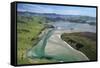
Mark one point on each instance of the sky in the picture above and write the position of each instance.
(65, 10)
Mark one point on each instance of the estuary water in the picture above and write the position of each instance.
(53, 47)
(75, 26)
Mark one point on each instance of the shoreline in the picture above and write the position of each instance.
(60, 45)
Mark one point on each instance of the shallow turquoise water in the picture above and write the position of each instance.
(39, 49)
(64, 53)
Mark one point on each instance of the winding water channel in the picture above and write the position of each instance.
(51, 45)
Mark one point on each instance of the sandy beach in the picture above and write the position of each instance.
(61, 50)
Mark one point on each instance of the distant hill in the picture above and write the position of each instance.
(53, 17)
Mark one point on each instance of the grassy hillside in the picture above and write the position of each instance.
(28, 30)
(82, 41)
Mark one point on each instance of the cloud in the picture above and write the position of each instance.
(74, 12)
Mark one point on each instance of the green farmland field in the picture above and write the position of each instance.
(28, 29)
